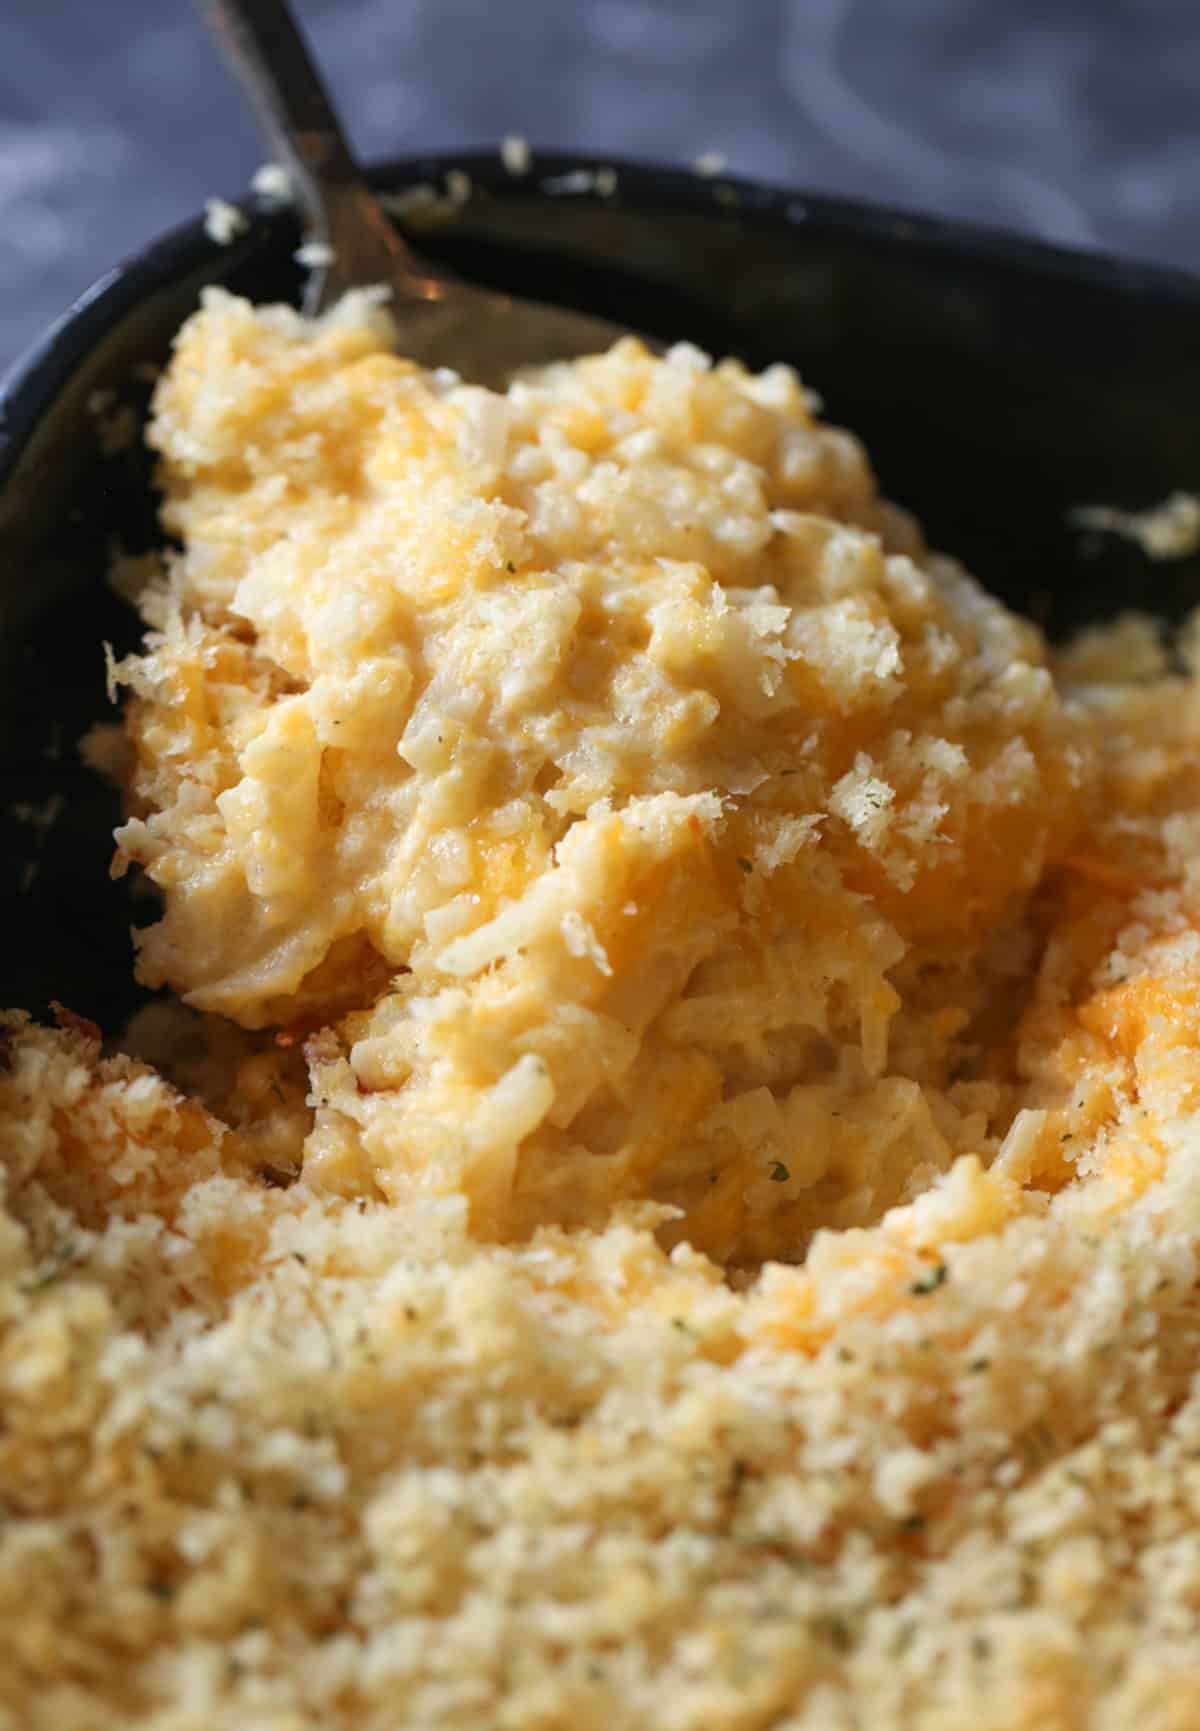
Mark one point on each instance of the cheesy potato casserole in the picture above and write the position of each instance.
(665, 1189)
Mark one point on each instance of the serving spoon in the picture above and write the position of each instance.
(442, 321)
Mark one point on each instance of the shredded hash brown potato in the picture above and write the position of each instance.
(668, 1192)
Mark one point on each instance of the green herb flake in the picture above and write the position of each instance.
(777, 1172)
(746, 864)
(930, 1280)
(54, 1270)
(835, 1630)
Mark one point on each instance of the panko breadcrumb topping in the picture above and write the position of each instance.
(670, 1193)
(223, 222)
(1170, 530)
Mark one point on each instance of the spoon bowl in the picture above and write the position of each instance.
(442, 320)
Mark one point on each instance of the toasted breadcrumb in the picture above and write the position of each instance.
(272, 182)
(515, 153)
(314, 254)
(672, 1196)
(1167, 531)
(223, 222)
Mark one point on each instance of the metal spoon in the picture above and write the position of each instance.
(442, 322)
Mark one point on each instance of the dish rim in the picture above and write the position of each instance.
(30, 385)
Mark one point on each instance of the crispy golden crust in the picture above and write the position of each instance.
(275, 1459)
(699, 1225)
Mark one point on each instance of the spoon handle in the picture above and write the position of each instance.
(263, 45)
(265, 48)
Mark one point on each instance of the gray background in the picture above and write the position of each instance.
(1078, 120)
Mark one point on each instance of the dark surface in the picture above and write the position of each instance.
(997, 384)
(1075, 120)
